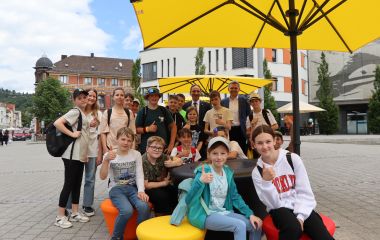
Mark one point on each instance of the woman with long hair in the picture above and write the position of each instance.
(115, 118)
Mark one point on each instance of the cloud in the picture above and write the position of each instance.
(29, 29)
(133, 40)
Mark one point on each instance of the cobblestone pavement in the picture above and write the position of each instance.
(343, 176)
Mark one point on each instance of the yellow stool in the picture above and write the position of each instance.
(159, 228)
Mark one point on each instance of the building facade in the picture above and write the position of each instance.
(352, 77)
(103, 74)
(168, 62)
(9, 117)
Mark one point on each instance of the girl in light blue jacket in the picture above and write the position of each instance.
(215, 184)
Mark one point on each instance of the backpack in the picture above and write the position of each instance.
(288, 158)
(109, 112)
(265, 115)
(192, 149)
(181, 209)
(57, 142)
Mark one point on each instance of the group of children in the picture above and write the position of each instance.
(136, 179)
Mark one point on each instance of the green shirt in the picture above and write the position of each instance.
(154, 172)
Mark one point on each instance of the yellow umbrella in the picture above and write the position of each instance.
(341, 25)
(207, 83)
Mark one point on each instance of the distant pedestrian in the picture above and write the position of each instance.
(1, 137)
(6, 137)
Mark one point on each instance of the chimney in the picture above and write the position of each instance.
(92, 55)
(63, 57)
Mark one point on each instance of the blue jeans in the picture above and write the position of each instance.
(232, 222)
(124, 198)
(89, 183)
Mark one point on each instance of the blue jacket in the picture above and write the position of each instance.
(244, 110)
(196, 213)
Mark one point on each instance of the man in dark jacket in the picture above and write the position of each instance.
(201, 106)
(240, 109)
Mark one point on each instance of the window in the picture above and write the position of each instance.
(174, 66)
(87, 80)
(242, 58)
(101, 81)
(128, 83)
(162, 68)
(63, 79)
(274, 55)
(168, 67)
(101, 101)
(225, 58)
(114, 82)
(209, 61)
(217, 60)
(149, 71)
(274, 84)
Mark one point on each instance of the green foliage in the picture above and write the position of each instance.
(328, 120)
(51, 100)
(23, 102)
(200, 68)
(136, 81)
(269, 102)
(374, 105)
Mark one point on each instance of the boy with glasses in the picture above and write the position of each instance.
(157, 181)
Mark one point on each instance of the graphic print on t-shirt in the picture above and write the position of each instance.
(124, 172)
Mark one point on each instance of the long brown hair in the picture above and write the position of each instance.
(95, 107)
(262, 129)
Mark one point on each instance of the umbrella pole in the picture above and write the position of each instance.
(292, 13)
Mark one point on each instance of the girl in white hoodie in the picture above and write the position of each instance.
(282, 184)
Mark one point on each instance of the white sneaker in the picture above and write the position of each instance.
(78, 217)
(62, 222)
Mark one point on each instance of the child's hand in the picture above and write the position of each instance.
(143, 196)
(76, 134)
(268, 173)
(184, 153)
(94, 122)
(153, 127)
(256, 222)
(187, 125)
(111, 155)
(206, 177)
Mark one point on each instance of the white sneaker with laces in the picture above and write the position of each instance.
(62, 222)
(79, 217)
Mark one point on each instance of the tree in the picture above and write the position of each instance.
(269, 102)
(374, 105)
(328, 120)
(51, 100)
(200, 68)
(136, 81)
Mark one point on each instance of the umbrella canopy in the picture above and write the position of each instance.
(303, 108)
(341, 25)
(207, 83)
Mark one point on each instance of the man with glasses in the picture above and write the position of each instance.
(155, 120)
(239, 106)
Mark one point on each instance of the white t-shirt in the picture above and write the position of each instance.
(222, 113)
(93, 135)
(186, 159)
(80, 151)
(235, 147)
(126, 170)
(261, 119)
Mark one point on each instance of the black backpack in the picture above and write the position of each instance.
(265, 115)
(109, 112)
(57, 142)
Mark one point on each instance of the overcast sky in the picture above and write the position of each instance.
(29, 29)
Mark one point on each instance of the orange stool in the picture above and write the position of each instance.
(110, 213)
(272, 233)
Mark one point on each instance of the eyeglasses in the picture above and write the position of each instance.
(158, 149)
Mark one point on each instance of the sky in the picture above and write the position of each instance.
(33, 28)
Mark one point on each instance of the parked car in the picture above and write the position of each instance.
(19, 136)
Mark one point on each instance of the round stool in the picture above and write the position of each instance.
(159, 228)
(272, 233)
(110, 213)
